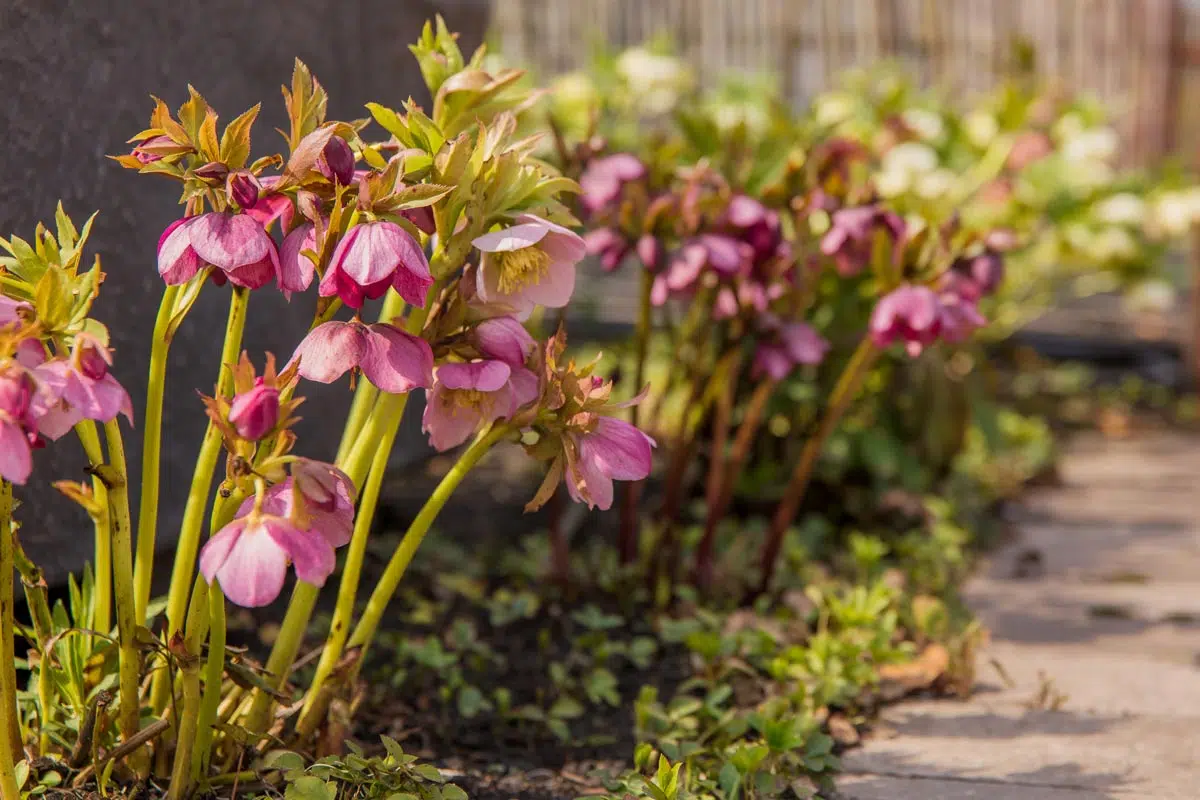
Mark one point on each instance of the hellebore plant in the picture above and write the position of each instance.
(462, 234)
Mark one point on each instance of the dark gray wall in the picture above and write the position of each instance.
(76, 75)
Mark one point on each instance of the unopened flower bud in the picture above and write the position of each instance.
(243, 189)
(650, 251)
(336, 161)
(309, 205)
(92, 363)
(212, 171)
(255, 413)
(422, 218)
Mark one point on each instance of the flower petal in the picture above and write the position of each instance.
(253, 572)
(16, 460)
(312, 555)
(396, 361)
(514, 237)
(484, 376)
(228, 241)
(621, 450)
(330, 350)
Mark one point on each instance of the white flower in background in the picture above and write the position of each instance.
(913, 158)
(1112, 244)
(1121, 209)
(893, 183)
(903, 167)
(1068, 126)
(926, 124)
(1097, 144)
(728, 116)
(1154, 296)
(834, 108)
(936, 184)
(656, 80)
(1176, 212)
(981, 128)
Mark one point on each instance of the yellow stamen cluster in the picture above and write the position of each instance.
(521, 268)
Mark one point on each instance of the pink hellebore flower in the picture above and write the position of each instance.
(911, 314)
(757, 225)
(603, 178)
(79, 387)
(271, 205)
(612, 450)
(255, 413)
(466, 396)
(328, 495)
(851, 238)
(725, 255)
(608, 245)
(17, 425)
(296, 270)
(796, 343)
(393, 360)
(249, 556)
(371, 258)
(10, 310)
(235, 244)
(528, 264)
(504, 338)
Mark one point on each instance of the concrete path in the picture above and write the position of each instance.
(1095, 619)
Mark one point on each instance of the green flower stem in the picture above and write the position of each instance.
(189, 717)
(843, 395)
(198, 494)
(283, 653)
(129, 663)
(151, 451)
(368, 622)
(214, 674)
(102, 608)
(10, 728)
(214, 666)
(627, 540)
(365, 394)
(37, 598)
(391, 411)
(731, 469)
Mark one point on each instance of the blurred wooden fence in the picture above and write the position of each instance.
(1128, 52)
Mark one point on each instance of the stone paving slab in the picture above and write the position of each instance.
(1098, 690)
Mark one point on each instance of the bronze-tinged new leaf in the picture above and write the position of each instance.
(162, 121)
(235, 141)
(306, 104)
(554, 476)
(210, 148)
(418, 195)
(392, 122)
(192, 114)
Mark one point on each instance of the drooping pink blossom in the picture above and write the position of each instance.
(78, 387)
(272, 205)
(504, 338)
(234, 244)
(793, 343)
(723, 254)
(756, 225)
(650, 251)
(17, 424)
(608, 245)
(249, 557)
(327, 496)
(611, 450)
(603, 179)
(909, 314)
(850, 240)
(974, 277)
(255, 413)
(372, 257)
(391, 359)
(468, 395)
(11, 310)
(528, 264)
(296, 270)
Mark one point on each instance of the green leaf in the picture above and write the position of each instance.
(728, 780)
(567, 707)
(471, 701)
(452, 792)
(308, 787)
(417, 195)
(392, 122)
(235, 141)
(429, 772)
